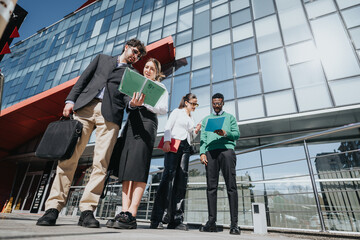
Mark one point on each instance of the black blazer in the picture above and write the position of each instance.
(95, 77)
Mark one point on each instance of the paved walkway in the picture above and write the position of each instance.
(22, 226)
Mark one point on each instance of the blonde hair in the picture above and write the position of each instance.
(158, 75)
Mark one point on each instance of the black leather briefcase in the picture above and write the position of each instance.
(59, 139)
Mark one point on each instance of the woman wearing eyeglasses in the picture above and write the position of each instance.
(171, 192)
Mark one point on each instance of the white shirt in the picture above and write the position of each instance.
(162, 105)
(179, 126)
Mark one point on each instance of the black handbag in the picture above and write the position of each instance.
(59, 139)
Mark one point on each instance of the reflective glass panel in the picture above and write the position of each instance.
(183, 51)
(180, 89)
(200, 112)
(246, 66)
(250, 174)
(201, 19)
(289, 169)
(267, 33)
(221, 39)
(203, 95)
(280, 103)
(241, 17)
(157, 20)
(274, 71)
(201, 53)
(184, 3)
(251, 107)
(220, 24)
(301, 52)
(355, 35)
(169, 30)
(135, 19)
(183, 37)
(247, 160)
(200, 77)
(244, 48)
(310, 86)
(333, 44)
(242, 32)
(346, 91)
(226, 88)
(262, 8)
(171, 13)
(248, 86)
(318, 8)
(293, 21)
(282, 154)
(154, 36)
(97, 27)
(229, 107)
(202, 24)
(351, 16)
(185, 19)
(347, 3)
(219, 11)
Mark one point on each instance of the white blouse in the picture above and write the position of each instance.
(179, 126)
(162, 105)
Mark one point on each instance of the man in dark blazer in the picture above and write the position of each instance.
(97, 103)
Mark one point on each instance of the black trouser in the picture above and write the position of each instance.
(170, 195)
(224, 160)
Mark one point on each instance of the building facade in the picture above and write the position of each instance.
(286, 68)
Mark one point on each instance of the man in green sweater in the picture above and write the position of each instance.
(217, 153)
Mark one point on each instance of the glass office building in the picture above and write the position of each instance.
(288, 69)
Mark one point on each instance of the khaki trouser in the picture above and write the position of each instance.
(106, 135)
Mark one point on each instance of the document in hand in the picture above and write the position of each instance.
(135, 82)
(214, 124)
(174, 144)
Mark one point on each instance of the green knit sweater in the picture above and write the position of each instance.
(210, 141)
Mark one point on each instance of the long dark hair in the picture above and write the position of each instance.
(186, 98)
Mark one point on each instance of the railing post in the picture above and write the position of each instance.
(312, 178)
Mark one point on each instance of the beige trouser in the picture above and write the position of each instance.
(106, 135)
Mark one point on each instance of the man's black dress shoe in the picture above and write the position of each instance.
(88, 220)
(49, 218)
(209, 227)
(235, 230)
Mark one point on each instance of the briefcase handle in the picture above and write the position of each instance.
(71, 117)
(63, 118)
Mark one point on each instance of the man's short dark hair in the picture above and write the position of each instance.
(218, 95)
(138, 44)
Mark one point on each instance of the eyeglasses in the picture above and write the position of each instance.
(136, 52)
(217, 104)
(194, 104)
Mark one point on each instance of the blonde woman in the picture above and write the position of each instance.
(139, 137)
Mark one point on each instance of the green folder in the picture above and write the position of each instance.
(135, 82)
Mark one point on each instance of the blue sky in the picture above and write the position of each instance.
(42, 13)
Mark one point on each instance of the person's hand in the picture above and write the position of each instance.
(203, 159)
(166, 147)
(198, 127)
(220, 132)
(137, 100)
(68, 109)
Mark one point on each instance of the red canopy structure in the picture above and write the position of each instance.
(29, 118)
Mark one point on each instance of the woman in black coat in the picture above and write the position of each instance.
(138, 142)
